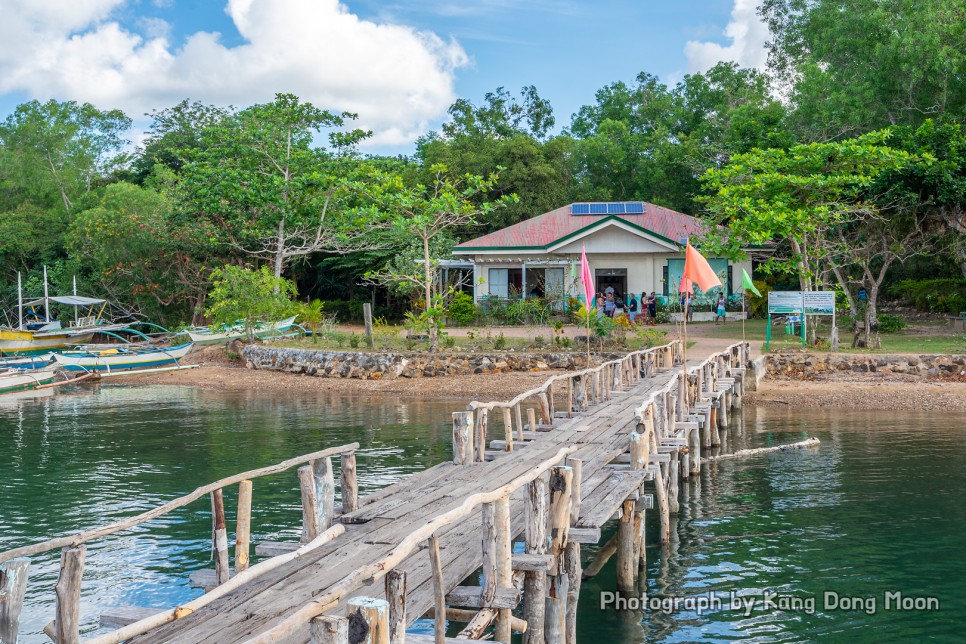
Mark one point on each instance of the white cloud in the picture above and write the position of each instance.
(396, 78)
(748, 35)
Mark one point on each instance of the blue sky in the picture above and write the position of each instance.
(398, 64)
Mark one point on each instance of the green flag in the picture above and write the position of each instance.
(747, 284)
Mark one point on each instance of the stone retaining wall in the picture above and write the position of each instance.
(375, 366)
(804, 364)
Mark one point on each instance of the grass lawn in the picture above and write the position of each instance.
(926, 338)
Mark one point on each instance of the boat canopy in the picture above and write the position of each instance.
(72, 300)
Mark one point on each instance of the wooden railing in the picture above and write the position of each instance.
(318, 490)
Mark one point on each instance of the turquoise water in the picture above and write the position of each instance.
(876, 509)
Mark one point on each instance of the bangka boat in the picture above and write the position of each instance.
(37, 332)
(121, 359)
(21, 380)
(216, 336)
(27, 363)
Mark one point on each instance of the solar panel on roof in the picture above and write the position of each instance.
(615, 209)
(636, 208)
(598, 208)
(580, 209)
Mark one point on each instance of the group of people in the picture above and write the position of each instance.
(612, 304)
(720, 307)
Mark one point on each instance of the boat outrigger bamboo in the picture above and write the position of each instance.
(121, 359)
(24, 380)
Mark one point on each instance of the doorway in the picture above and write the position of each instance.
(615, 278)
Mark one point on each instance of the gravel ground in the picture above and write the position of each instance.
(873, 391)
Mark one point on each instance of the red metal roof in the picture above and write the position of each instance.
(546, 229)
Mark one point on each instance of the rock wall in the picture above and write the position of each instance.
(800, 365)
(375, 366)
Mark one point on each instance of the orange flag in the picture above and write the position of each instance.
(685, 286)
(697, 269)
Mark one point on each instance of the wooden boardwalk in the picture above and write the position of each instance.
(626, 430)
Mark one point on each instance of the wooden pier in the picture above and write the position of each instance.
(547, 468)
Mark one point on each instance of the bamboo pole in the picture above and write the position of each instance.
(439, 590)
(174, 504)
(396, 596)
(13, 585)
(219, 535)
(462, 437)
(243, 526)
(329, 629)
(374, 613)
(349, 483)
(67, 624)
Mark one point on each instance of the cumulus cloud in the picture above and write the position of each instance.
(748, 35)
(396, 78)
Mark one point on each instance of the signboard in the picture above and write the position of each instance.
(819, 302)
(784, 302)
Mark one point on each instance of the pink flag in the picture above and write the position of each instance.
(698, 270)
(586, 278)
(685, 286)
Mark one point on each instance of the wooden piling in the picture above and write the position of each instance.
(243, 526)
(462, 437)
(555, 618)
(532, 419)
(662, 506)
(571, 565)
(479, 435)
(570, 397)
(694, 451)
(518, 416)
(674, 476)
(368, 620)
(603, 556)
(13, 585)
(534, 584)
(396, 597)
(439, 592)
(638, 450)
(577, 465)
(367, 320)
(349, 483)
(489, 568)
(219, 535)
(68, 588)
(324, 491)
(545, 409)
(329, 629)
(310, 504)
(507, 429)
(504, 573)
(626, 565)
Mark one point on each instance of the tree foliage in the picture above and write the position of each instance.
(247, 296)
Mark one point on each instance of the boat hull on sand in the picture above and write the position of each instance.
(120, 359)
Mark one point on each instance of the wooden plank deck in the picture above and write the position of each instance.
(386, 517)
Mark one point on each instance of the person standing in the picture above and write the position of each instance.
(720, 312)
(651, 308)
(632, 306)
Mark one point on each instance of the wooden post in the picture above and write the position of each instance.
(67, 623)
(479, 435)
(518, 416)
(243, 526)
(694, 451)
(555, 622)
(324, 491)
(551, 408)
(603, 556)
(638, 450)
(329, 629)
(534, 582)
(396, 596)
(13, 584)
(626, 565)
(504, 571)
(349, 485)
(570, 397)
(219, 534)
(573, 571)
(640, 551)
(489, 570)
(545, 409)
(368, 620)
(665, 515)
(367, 318)
(310, 504)
(462, 437)
(674, 477)
(532, 419)
(577, 465)
(508, 429)
(439, 591)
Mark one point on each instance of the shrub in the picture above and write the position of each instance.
(649, 336)
(499, 342)
(462, 310)
(449, 341)
(539, 341)
(354, 341)
(936, 295)
(891, 323)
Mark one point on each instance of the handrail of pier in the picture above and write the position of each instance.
(174, 504)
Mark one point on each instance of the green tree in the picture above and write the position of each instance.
(249, 296)
(173, 134)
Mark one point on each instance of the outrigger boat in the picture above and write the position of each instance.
(203, 335)
(121, 359)
(37, 333)
(24, 380)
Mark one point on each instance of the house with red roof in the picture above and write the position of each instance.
(632, 246)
